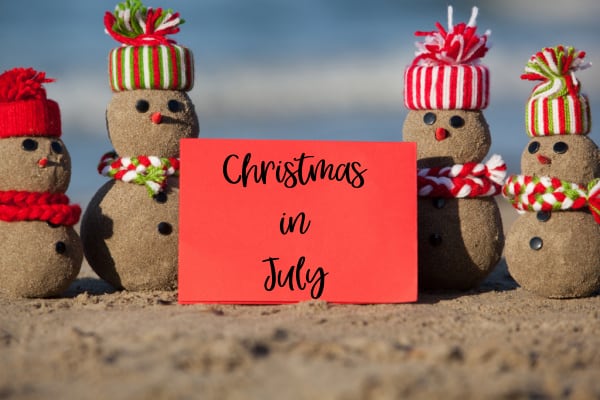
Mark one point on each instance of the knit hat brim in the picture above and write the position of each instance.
(36, 117)
(446, 87)
(167, 67)
(566, 115)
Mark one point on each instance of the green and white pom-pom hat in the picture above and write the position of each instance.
(556, 105)
(147, 59)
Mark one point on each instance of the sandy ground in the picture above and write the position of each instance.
(498, 341)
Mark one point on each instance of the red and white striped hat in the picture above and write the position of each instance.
(446, 73)
(147, 59)
(556, 106)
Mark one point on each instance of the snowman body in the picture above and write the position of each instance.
(460, 239)
(130, 234)
(460, 242)
(131, 239)
(548, 253)
(39, 260)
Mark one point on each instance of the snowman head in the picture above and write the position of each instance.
(572, 158)
(34, 157)
(447, 137)
(150, 121)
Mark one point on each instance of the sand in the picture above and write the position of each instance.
(498, 341)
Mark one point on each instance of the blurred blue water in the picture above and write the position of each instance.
(312, 69)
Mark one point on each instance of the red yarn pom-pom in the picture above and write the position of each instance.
(22, 84)
(460, 44)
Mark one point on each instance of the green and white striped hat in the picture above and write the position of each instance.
(147, 59)
(168, 67)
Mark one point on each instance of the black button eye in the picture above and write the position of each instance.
(60, 247)
(429, 118)
(533, 147)
(56, 147)
(457, 122)
(29, 145)
(174, 106)
(142, 106)
(560, 147)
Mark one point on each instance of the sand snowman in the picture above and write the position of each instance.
(460, 230)
(130, 227)
(41, 252)
(553, 248)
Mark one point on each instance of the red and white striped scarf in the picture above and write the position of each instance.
(463, 180)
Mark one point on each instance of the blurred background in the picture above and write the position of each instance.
(310, 69)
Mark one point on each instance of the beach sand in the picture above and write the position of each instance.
(498, 341)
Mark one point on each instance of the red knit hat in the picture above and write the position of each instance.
(24, 108)
(446, 73)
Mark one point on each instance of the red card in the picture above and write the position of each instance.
(280, 221)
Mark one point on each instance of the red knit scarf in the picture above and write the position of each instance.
(38, 206)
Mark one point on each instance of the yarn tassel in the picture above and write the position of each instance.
(459, 45)
(134, 24)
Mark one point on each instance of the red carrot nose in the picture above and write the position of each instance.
(43, 162)
(440, 134)
(543, 159)
(156, 118)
